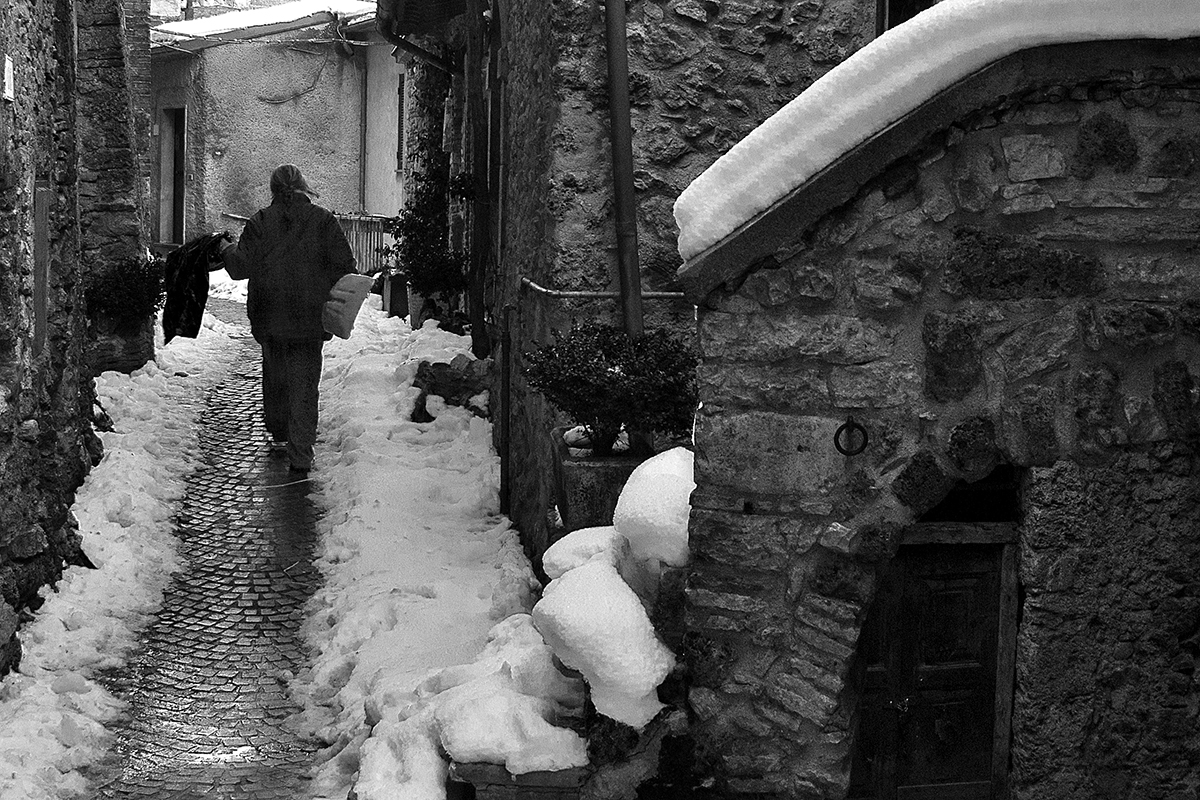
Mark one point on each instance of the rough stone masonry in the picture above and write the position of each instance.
(1013, 283)
(46, 394)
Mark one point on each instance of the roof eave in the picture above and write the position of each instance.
(193, 44)
(776, 229)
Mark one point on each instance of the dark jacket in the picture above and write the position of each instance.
(186, 280)
(293, 252)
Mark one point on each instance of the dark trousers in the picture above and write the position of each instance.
(291, 377)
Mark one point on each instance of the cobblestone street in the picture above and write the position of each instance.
(207, 693)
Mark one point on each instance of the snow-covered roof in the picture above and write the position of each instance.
(254, 22)
(883, 81)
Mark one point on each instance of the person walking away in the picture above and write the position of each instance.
(292, 252)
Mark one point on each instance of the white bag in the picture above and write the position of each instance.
(345, 299)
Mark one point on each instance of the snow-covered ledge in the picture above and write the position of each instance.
(814, 153)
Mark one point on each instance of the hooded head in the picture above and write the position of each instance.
(286, 180)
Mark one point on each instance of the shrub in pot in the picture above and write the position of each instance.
(605, 381)
(422, 253)
(126, 293)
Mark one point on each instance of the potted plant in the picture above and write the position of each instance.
(122, 299)
(608, 382)
(421, 253)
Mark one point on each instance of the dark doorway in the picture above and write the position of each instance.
(934, 668)
(172, 174)
(928, 667)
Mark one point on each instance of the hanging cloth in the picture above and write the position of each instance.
(187, 284)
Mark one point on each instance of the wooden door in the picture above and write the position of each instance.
(926, 676)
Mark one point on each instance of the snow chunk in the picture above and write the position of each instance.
(490, 721)
(497, 709)
(885, 80)
(579, 547)
(652, 509)
(597, 625)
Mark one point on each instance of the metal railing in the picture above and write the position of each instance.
(366, 233)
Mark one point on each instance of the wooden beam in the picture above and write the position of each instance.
(960, 533)
(1006, 664)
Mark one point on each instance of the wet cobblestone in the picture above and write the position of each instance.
(207, 693)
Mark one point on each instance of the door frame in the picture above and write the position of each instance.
(1006, 535)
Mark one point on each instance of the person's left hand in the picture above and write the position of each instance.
(216, 253)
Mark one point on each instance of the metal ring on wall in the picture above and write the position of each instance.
(848, 430)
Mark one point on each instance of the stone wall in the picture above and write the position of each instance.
(113, 190)
(46, 395)
(1110, 634)
(703, 74)
(1017, 287)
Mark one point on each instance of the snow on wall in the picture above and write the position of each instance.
(891, 76)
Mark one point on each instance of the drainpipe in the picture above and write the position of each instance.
(362, 129)
(621, 139)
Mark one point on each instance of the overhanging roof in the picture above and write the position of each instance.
(777, 227)
(197, 34)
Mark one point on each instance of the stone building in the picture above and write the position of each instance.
(65, 210)
(236, 94)
(529, 122)
(945, 529)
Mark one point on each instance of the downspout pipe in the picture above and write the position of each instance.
(621, 140)
(363, 101)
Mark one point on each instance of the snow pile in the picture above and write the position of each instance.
(591, 614)
(884, 81)
(597, 625)
(222, 286)
(652, 510)
(579, 547)
(419, 568)
(52, 711)
(498, 709)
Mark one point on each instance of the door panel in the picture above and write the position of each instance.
(926, 677)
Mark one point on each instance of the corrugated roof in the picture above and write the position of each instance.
(255, 22)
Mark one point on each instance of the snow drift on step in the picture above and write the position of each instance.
(885, 80)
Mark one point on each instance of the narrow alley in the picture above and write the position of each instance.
(207, 694)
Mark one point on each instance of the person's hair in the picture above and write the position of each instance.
(286, 180)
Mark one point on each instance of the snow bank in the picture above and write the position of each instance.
(597, 625)
(885, 80)
(52, 711)
(419, 566)
(653, 507)
(498, 709)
